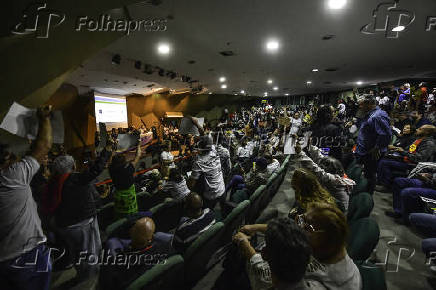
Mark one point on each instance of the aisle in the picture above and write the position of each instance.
(412, 272)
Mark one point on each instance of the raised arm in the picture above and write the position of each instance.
(44, 139)
(138, 154)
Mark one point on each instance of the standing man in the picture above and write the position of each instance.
(24, 257)
(374, 137)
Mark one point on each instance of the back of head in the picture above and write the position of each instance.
(332, 165)
(175, 175)
(193, 204)
(4, 154)
(308, 189)
(118, 160)
(205, 143)
(63, 165)
(142, 232)
(324, 115)
(261, 164)
(287, 250)
(331, 230)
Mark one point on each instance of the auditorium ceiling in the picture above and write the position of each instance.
(301, 47)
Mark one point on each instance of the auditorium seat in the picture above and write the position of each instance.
(255, 203)
(360, 206)
(361, 186)
(200, 256)
(234, 220)
(355, 173)
(373, 277)
(148, 200)
(364, 236)
(167, 215)
(105, 215)
(162, 276)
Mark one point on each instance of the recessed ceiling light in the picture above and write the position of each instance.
(210, 93)
(337, 4)
(242, 92)
(224, 86)
(359, 83)
(309, 82)
(270, 81)
(265, 94)
(272, 45)
(315, 70)
(399, 28)
(276, 88)
(163, 48)
(286, 94)
(222, 79)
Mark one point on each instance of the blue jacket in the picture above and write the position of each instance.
(375, 131)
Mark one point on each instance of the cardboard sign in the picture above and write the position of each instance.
(285, 121)
(24, 122)
(188, 127)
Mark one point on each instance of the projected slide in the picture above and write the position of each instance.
(111, 110)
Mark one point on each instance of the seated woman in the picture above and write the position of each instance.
(405, 139)
(175, 186)
(308, 189)
(329, 171)
(327, 231)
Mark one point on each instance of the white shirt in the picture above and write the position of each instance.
(243, 152)
(273, 167)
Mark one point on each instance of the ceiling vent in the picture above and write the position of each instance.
(331, 69)
(227, 53)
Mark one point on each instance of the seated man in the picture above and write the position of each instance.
(422, 150)
(175, 186)
(273, 164)
(407, 193)
(196, 221)
(126, 260)
(284, 259)
(327, 230)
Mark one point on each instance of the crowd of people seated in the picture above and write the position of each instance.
(51, 200)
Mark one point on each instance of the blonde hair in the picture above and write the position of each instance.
(308, 189)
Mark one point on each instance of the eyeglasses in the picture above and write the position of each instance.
(302, 223)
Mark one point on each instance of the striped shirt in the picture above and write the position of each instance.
(189, 229)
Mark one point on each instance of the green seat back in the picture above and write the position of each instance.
(361, 186)
(234, 220)
(147, 200)
(112, 229)
(239, 196)
(162, 276)
(355, 173)
(201, 254)
(351, 166)
(373, 277)
(255, 204)
(360, 206)
(105, 215)
(166, 216)
(364, 236)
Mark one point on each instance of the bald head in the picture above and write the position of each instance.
(193, 204)
(142, 233)
(426, 131)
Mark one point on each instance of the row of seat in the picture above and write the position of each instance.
(364, 231)
(212, 245)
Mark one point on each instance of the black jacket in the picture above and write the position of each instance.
(79, 194)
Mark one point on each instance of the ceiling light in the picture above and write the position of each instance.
(242, 92)
(337, 4)
(224, 86)
(222, 79)
(286, 94)
(275, 88)
(163, 48)
(210, 93)
(309, 82)
(270, 81)
(265, 94)
(315, 70)
(399, 28)
(359, 83)
(272, 45)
